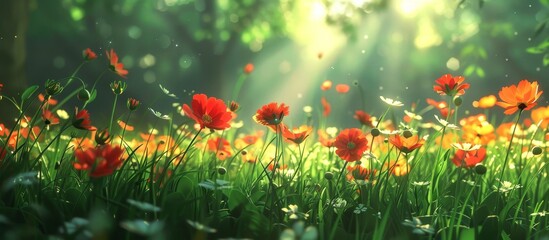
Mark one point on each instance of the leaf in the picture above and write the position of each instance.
(539, 28)
(235, 199)
(468, 50)
(93, 94)
(28, 92)
(535, 50)
(480, 72)
(143, 227)
(144, 206)
(482, 53)
(469, 70)
(546, 59)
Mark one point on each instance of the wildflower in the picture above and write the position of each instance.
(49, 118)
(442, 107)
(299, 231)
(469, 158)
(420, 184)
(536, 150)
(208, 112)
(292, 211)
(342, 88)
(53, 87)
(133, 104)
(364, 118)
(359, 172)
(62, 114)
(234, 106)
(118, 87)
(412, 115)
(271, 114)
(519, 97)
(114, 65)
(297, 135)
(325, 139)
(326, 85)
(339, 205)
(102, 137)
(476, 129)
(541, 116)
(398, 168)
(50, 100)
(159, 114)
(88, 54)
(124, 125)
(406, 145)
(351, 144)
(100, 161)
(507, 186)
(82, 120)
(221, 147)
(485, 102)
(391, 102)
(419, 227)
(249, 68)
(445, 123)
(327, 108)
(450, 85)
(466, 146)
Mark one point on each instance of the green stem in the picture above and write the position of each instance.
(509, 150)
(112, 113)
(124, 129)
(238, 86)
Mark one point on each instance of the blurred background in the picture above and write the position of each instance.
(391, 48)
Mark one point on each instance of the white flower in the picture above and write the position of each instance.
(293, 212)
(419, 228)
(62, 114)
(446, 124)
(541, 214)
(332, 131)
(307, 109)
(466, 146)
(159, 115)
(413, 115)
(391, 102)
(421, 183)
(167, 92)
(507, 186)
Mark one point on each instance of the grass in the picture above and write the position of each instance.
(185, 183)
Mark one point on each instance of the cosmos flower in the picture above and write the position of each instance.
(100, 161)
(519, 97)
(391, 102)
(114, 65)
(88, 54)
(82, 120)
(541, 115)
(450, 85)
(442, 106)
(406, 145)
(350, 144)
(271, 114)
(208, 112)
(297, 135)
(364, 118)
(469, 158)
(49, 118)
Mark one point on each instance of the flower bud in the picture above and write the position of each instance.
(118, 87)
(102, 137)
(536, 150)
(458, 101)
(53, 87)
(328, 175)
(133, 104)
(221, 170)
(83, 95)
(407, 133)
(375, 132)
(480, 169)
(234, 106)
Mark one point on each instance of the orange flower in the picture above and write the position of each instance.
(82, 120)
(505, 130)
(297, 135)
(3, 130)
(271, 114)
(325, 139)
(442, 106)
(469, 159)
(485, 102)
(88, 54)
(249, 68)
(397, 168)
(49, 118)
(406, 145)
(246, 140)
(326, 106)
(350, 144)
(221, 147)
(51, 101)
(450, 85)
(123, 125)
(541, 114)
(523, 96)
(326, 85)
(114, 65)
(342, 88)
(359, 172)
(476, 129)
(100, 161)
(208, 112)
(364, 118)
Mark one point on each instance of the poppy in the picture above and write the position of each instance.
(114, 65)
(406, 144)
(485, 102)
(208, 112)
(49, 118)
(522, 96)
(271, 114)
(82, 120)
(350, 144)
(342, 88)
(249, 68)
(463, 158)
(100, 161)
(450, 85)
(541, 115)
(297, 135)
(364, 118)
(88, 54)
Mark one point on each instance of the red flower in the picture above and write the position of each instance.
(221, 147)
(342, 88)
(327, 108)
(450, 85)
(350, 144)
(249, 68)
(364, 118)
(442, 106)
(208, 112)
(406, 145)
(49, 117)
(88, 54)
(271, 114)
(1, 86)
(115, 66)
(469, 159)
(297, 135)
(82, 120)
(523, 96)
(100, 161)
(358, 172)
(50, 102)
